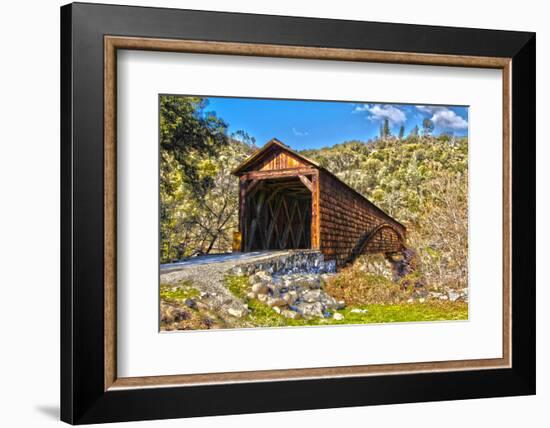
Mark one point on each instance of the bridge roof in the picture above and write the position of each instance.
(252, 160)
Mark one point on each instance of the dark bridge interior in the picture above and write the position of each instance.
(278, 216)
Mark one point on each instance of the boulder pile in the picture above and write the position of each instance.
(294, 294)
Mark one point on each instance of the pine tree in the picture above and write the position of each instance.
(401, 132)
(386, 131)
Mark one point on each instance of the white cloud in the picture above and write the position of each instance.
(448, 119)
(429, 109)
(383, 111)
(299, 133)
(444, 118)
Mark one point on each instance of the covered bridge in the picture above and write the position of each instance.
(287, 201)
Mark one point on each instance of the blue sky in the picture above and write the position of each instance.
(315, 124)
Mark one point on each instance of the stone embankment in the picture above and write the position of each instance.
(288, 281)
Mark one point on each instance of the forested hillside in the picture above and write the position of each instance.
(421, 180)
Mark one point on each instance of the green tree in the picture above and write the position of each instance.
(190, 142)
(189, 133)
(401, 132)
(245, 138)
(385, 130)
(427, 127)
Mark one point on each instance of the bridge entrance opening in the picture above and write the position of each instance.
(277, 215)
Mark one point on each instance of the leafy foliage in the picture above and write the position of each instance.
(198, 194)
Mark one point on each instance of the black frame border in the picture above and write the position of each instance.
(83, 399)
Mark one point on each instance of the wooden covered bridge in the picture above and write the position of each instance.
(287, 201)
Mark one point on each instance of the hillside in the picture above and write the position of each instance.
(422, 182)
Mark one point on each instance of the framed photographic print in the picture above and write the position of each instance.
(276, 213)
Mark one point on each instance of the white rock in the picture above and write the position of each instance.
(236, 312)
(276, 301)
(453, 295)
(261, 277)
(311, 296)
(338, 317)
(260, 288)
(289, 314)
(290, 297)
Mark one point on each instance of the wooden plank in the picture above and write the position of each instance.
(315, 212)
(274, 217)
(306, 182)
(289, 172)
(253, 184)
(242, 211)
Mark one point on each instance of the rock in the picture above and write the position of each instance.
(289, 314)
(290, 297)
(170, 314)
(420, 294)
(309, 310)
(202, 306)
(277, 309)
(311, 296)
(276, 301)
(453, 295)
(251, 295)
(237, 312)
(338, 317)
(422, 300)
(239, 270)
(444, 297)
(411, 300)
(190, 303)
(307, 281)
(330, 266)
(260, 288)
(261, 277)
(263, 297)
(341, 304)
(359, 311)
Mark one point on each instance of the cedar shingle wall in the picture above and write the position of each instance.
(346, 217)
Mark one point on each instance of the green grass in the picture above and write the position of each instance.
(263, 316)
(180, 292)
(406, 312)
(238, 285)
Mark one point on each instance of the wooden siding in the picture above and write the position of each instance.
(346, 216)
(385, 240)
(277, 160)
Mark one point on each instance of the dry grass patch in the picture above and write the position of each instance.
(357, 287)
